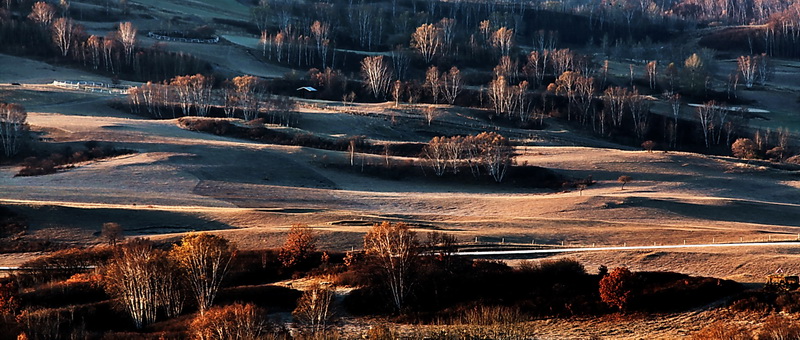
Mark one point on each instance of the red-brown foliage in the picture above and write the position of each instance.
(617, 288)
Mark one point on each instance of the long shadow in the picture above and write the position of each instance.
(732, 211)
(134, 221)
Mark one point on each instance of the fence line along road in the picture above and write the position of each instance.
(569, 250)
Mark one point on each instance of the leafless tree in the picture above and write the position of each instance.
(433, 82)
(431, 113)
(675, 104)
(707, 114)
(452, 85)
(127, 37)
(400, 62)
(95, 46)
(376, 75)
(261, 16)
(320, 32)
(616, 99)
(427, 40)
(200, 87)
(652, 73)
(112, 232)
(584, 95)
(63, 34)
(109, 45)
(13, 119)
(183, 87)
(435, 152)
(503, 40)
(314, 307)
(501, 95)
(496, 154)
(248, 93)
(534, 68)
(455, 152)
(640, 112)
(43, 14)
(130, 278)
(567, 85)
(397, 92)
(395, 250)
(562, 60)
(765, 71)
(204, 259)
(748, 69)
(447, 27)
(506, 68)
(522, 101)
(229, 98)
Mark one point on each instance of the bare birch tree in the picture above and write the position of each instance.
(616, 99)
(534, 69)
(452, 85)
(314, 307)
(495, 154)
(204, 259)
(652, 73)
(63, 34)
(127, 37)
(248, 93)
(433, 83)
(501, 95)
(706, 114)
(43, 14)
(376, 75)
(748, 69)
(13, 119)
(320, 31)
(503, 40)
(130, 278)
(395, 249)
(427, 40)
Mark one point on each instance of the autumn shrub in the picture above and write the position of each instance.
(299, 246)
(617, 289)
(37, 166)
(381, 332)
(744, 148)
(218, 127)
(779, 328)
(492, 315)
(236, 321)
(721, 330)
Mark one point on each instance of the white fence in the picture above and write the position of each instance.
(184, 40)
(92, 86)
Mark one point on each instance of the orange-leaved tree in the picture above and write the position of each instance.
(617, 288)
(299, 245)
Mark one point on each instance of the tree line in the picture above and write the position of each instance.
(47, 31)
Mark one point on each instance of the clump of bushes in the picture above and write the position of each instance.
(37, 166)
